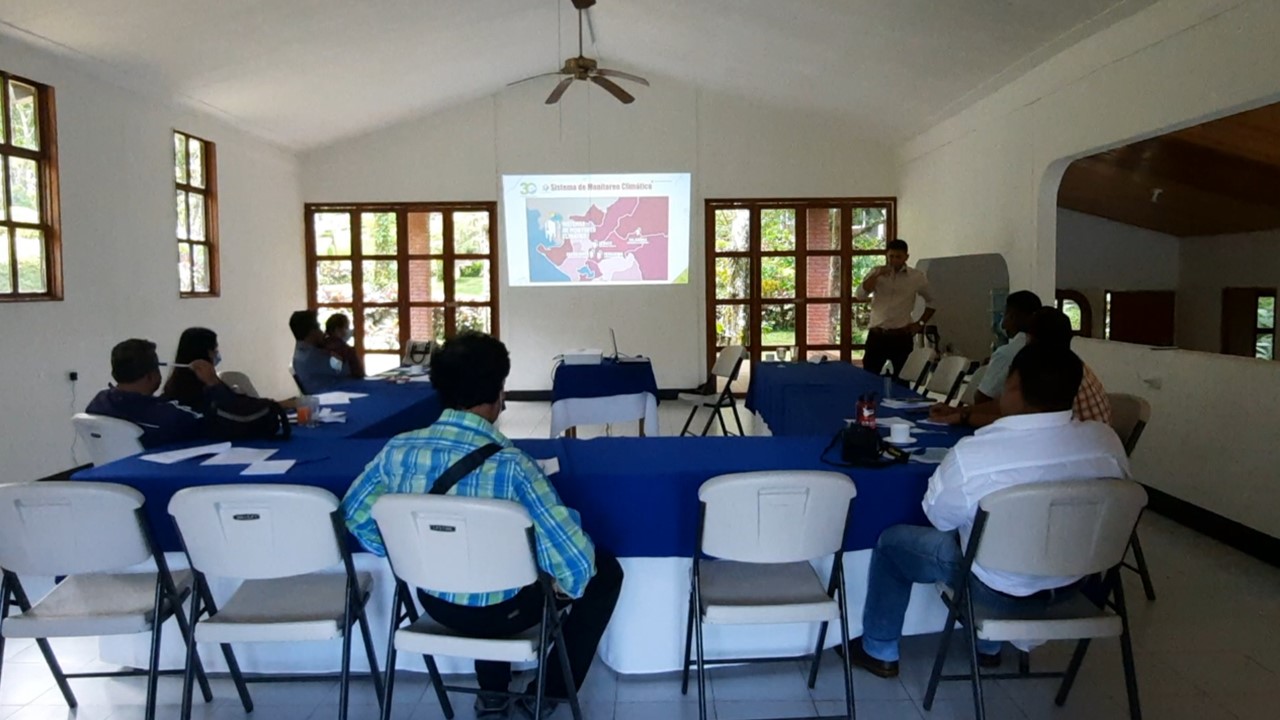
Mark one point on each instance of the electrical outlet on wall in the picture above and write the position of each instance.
(72, 376)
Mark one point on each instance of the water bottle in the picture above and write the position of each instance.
(887, 374)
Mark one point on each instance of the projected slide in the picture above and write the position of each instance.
(597, 229)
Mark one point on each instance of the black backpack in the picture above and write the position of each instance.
(248, 418)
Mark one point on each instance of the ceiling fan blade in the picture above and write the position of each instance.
(554, 97)
(534, 77)
(624, 75)
(623, 96)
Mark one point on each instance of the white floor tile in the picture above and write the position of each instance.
(872, 709)
(749, 709)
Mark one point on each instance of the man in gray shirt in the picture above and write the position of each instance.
(315, 368)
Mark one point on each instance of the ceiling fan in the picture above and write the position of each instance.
(585, 68)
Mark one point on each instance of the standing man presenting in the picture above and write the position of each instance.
(893, 289)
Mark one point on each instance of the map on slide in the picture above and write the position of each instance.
(575, 240)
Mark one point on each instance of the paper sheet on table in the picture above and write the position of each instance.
(240, 456)
(419, 378)
(268, 467)
(329, 415)
(338, 397)
(175, 456)
(930, 456)
(550, 466)
(891, 421)
(937, 423)
(907, 404)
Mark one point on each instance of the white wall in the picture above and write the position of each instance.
(986, 180)
(119, 258)
(733, 147)
(1095, 255)
(1209, 443)
(1210, 264)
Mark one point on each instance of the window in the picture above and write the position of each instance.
(420, 271)
(781, 274)
(195, 175)
(1265, 327)
(30, 245)
(1078, 310)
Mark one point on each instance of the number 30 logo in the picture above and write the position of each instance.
(528, 188)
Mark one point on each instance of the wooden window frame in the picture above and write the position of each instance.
(46, 159)
(209, 158)
(1086, 310)
(403, 304)
(755, 302)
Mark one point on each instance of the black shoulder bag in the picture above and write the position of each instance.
(463, 468)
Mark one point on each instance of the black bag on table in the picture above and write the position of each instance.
(248, 418)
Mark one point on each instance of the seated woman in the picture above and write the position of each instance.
(194, 345)
(337, 336)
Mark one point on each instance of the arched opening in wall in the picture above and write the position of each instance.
(1155, 237)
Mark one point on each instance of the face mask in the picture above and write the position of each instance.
(336, 364)
(217, 359)
(347, 335)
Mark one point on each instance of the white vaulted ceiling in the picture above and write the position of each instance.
(305, 73)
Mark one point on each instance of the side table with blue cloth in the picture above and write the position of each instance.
(797, 399)
(637, 498)
(608, 392)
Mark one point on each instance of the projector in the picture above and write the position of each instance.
(582, 356)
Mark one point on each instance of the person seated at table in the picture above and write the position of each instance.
(136, 370)
(337, 339)
(184, 385)
(1049, 326)
(315, 368)
(469, 373)
(1036, 440)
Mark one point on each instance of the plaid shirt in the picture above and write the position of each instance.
(1092, 402)
(411, 462)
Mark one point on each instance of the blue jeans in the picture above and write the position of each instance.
(906, 555)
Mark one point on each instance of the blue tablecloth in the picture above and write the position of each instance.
(607, 379)
(638, 497)
(389, 410)
(797, 399)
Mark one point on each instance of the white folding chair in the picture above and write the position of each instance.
(93, 534)
(281, 540)
(764, 529)
(239, 382)
(107, 438)
(1077, 527)
(970, 394)
(916, 368)
(453, 544)
(726, 368)
(1129, 417)
(946, 378)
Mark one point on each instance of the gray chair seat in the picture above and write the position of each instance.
(426, 637)
(94, 604)
(1071, 619)
(290, 609)
(737, 593)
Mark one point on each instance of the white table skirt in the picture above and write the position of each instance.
(646, 634)
(572, 412)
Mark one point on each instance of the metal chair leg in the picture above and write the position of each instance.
(836, 576)
(188, 671)
(979, 706)
(710, 419)
(702, 671)
(689, 420)
(19, 597)
(737, 418)
(688, 647)
(233, 665)
(411, 612)
(363, 618)
(571, 687)
(1073, 667)
(724, 429)
(543, 633)
(844, 640)
(153, 665)
(1126, 651)
(344, 678)
(389, 685)
(944, 645)
(1143, 571)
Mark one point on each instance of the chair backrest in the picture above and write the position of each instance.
(729, 362)
(971, 390)
(457, 544)
(257, 531)
(239, 382)
(68, 528)
(775, 516)
(1129, 417)
(1072, 527)
(947, 375)
(913, 370)
(107, 438)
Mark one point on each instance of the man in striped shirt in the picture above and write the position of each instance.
(469, 373)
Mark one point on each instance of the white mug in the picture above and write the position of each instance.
(900, 433)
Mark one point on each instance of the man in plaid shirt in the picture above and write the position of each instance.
(469, 373)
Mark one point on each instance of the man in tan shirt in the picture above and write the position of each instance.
(893, 289)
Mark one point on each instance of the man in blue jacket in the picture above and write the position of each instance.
(136, 370)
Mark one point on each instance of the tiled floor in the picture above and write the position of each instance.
(1206, 650)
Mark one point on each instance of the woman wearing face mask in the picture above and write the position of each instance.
(193, 380)
(337, 338)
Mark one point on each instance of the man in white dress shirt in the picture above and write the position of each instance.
(1035, 440)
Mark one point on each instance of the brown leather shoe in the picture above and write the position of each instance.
(859, 658)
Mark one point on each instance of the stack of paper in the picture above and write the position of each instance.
(338, 397)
